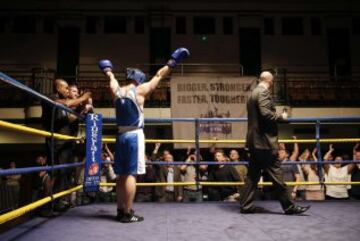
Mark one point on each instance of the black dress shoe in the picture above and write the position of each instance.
(296, 210)
(253, 210)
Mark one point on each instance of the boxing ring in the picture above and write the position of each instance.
(197, 221)
(326, 220)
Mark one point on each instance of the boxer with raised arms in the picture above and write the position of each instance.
(130, 141)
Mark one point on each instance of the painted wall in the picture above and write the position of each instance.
(130, 49)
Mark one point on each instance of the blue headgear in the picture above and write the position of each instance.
(135, 74)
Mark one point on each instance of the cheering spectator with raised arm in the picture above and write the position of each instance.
(337, 173)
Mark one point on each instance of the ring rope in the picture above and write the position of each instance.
(162, 184)
(24, 170)
(25, 209)
(328, 140)
(307, 120)
(34, 131)
(163, 163)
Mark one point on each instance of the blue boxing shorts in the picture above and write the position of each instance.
(130, 153)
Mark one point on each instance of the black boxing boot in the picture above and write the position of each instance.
(131, 218)
(121, 213)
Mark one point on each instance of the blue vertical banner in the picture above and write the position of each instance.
(92, 170)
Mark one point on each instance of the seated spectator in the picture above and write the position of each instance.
(169, 174)
(241, 169)
(355, 174)
(337, 173)
(5, 196)
(223, 173)
(192, 193)
(42, 183)
(146, 194)
(13, 184)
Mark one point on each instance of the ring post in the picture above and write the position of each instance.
(197, 148)
(318, 147)
(52, 153)
(92, 170)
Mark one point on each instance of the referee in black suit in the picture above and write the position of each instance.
(262, 142)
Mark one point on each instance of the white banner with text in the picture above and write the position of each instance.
(210, 97)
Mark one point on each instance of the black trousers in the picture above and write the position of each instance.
(63, 154)
(266, 161)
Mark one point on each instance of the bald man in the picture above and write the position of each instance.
(64, 123)
(262, 142)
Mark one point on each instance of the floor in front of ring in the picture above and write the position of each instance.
(328, 221)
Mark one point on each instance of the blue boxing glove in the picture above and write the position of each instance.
(105, 65)
(177, 56)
